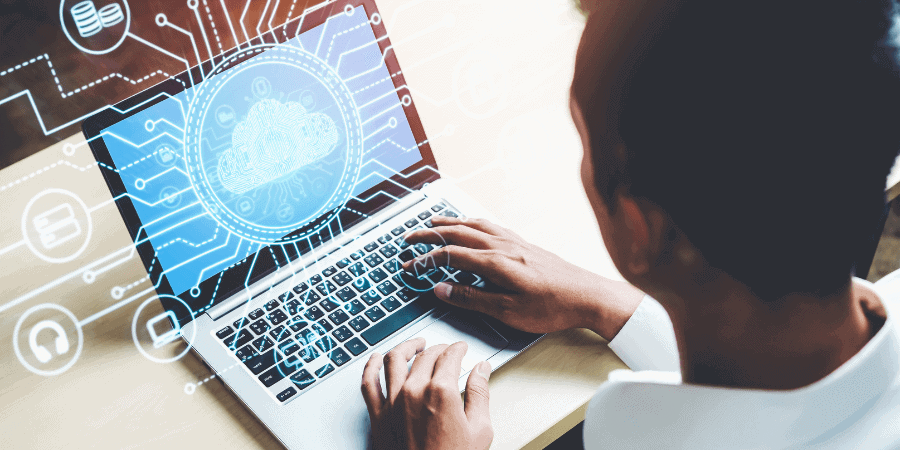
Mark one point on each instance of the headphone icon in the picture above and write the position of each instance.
(40, 352)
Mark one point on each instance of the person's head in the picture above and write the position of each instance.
(751, 139)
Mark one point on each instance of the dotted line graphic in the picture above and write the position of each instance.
(213, 23)
(378, 82)
(334, 38)
(64, 94)
(216, 234)
(355, 211)
(290, 13)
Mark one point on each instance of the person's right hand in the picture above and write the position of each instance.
(539, 292)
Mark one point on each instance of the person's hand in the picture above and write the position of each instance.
(423, 408)
(538, 291)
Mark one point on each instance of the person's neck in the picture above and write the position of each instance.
(729, 337)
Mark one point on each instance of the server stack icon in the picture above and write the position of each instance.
(89, 21)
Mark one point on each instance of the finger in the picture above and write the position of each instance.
(478, 395)
(483, 262)
(423, 367)
(482, 225)
(396, 360)
(454, 234)
(371, 385)
(449, 363)
(468, 297)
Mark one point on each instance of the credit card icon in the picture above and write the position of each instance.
(56, 226)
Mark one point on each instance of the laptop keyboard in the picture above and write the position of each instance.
(313, 329)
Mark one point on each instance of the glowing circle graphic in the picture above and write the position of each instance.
(296, 124)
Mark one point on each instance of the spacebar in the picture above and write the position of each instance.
(399, 319)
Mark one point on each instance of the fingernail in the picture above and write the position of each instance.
(442, 290)
(484, 369)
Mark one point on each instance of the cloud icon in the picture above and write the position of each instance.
(275, 139)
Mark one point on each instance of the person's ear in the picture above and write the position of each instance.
(643, 227)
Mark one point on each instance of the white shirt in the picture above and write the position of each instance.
(856, 406)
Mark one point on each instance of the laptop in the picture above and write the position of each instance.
(268, 192)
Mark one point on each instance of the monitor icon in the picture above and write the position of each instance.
(168, 336)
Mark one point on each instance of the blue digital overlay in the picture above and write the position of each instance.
(266, 146)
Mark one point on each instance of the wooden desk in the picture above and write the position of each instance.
(521, 161)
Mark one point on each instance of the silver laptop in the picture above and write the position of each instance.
(268, 192)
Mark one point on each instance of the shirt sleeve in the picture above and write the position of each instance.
(647, 341)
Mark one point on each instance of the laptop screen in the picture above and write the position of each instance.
(260, 156)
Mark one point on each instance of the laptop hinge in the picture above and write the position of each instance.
(300, 264)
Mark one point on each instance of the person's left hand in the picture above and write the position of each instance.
(423, 408)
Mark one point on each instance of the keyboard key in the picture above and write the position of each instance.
(402, 243)
(358, 269)
(360, 323)
(224, 332)
(285, 297)
(422, 248)
(280, 333)
(346, 294)
(260, 327)
(384, 239)
(413, 282)
(373, 259)
(293, 307)
(245, 352)
(371, 246)
(342, 263)
(403, 316)
(289, 347)
(298, 289)
(298, 325)
(356, 255)
(326, 344)
(277, 373)
(388, 251)
(302, 379)
(310, 298)
(407, 295)
(286, 394)
(278, 316)
(308, 354)
(339, 356)
(465, 278)
(370, 297)
(438, 207)
(315, 279)
(263, 343)
(411, 223)
(449, 213)
(450, 270)
(436, 276)
(386, 288)
(375, 314)
(361, 284)
(377, 275)
(398, 231)
(329, 271)
(392, 266)
(306, 337)
(342, 278)
(325, 370)
(256, 314)
(428, 223)
(355, 346)
(322, 327)
(406, 255)
(342, 333)
(424, 215)
(313, 313)
(327, 288)
(328, 305)
(354, 307)
(240, 323)
(271, 305)
(339, 317)
(390, 304)
(261, 362)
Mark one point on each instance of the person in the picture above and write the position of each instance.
(735, 156)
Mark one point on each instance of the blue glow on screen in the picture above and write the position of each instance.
(148, 151)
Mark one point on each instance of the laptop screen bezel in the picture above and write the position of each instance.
(267, 259)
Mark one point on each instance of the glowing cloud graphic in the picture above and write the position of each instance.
(275, 139)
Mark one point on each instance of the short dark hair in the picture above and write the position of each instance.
(766, 130)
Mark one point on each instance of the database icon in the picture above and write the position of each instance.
(89, 21)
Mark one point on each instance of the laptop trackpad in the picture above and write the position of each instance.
(456, 326)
